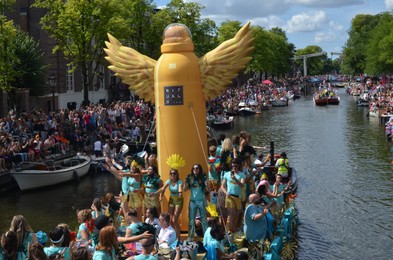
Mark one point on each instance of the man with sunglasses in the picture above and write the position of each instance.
(232, 184)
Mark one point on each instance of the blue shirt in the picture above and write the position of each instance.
(53, 250)
(254, 230)
(146, 257)
(232, 186)
(174, 189)
(135, 227)
(103, 255)
(196, 187)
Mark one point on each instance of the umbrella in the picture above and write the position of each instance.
(266, 81)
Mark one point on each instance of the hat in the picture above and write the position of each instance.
(101, 221)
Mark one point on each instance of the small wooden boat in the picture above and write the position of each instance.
(245, 110)
(279, 102)
(223, 123)
(33, 175)
(362, 103)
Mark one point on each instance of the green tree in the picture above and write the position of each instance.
(379, 49)
(31, 65)
(79, 28)
(8, 59)
(354, 52)
(282, 52)
(189, 13)
(315, 65)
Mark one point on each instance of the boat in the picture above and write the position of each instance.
(333, 100)
(210, 118)
(362, 102)
(34, 175)
(223, 123)
(320, 101)
(245, 110)
(279, 102)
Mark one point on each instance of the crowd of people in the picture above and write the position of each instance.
(36, 135)
(133, 221)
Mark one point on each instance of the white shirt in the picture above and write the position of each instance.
(97, 145)
(168, 235)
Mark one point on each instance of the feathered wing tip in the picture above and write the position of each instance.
(134, 68)
(175, 161)
(219, 66)
(212, 209)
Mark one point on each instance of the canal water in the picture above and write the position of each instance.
(343, 161)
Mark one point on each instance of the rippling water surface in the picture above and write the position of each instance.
(345, 190)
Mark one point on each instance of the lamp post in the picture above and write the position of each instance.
(52, 85)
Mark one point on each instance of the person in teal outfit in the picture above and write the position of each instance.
(255, 225)
(24, 233)
(197, 183)
(8, 245)
(106, 248)
(86, 226)
(56, 236)
(135, 225)
(232, 184)
(175, 203)
(152, 183)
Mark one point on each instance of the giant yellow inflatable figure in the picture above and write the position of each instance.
(179, 84)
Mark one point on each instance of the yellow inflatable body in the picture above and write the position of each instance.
(179, 83)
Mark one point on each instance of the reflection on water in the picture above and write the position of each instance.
(345, 190)
(45, 208)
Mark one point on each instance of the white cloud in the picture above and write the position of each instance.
(268, 22)
(389, 4)
(306, 22)
(238, 9)
(326, 3)
(333, 32)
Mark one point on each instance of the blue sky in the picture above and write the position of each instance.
(306, 22)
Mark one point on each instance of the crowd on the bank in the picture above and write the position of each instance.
(253, 92)
(36, 135)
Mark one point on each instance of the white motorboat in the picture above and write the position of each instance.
(33, 175)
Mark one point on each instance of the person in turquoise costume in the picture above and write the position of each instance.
(24, 233)
(152, 183)
(56, 237)
(106, 248)
(255, 225)
(196, 182)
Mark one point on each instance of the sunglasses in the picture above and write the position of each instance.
(196, 167)
(173, 173)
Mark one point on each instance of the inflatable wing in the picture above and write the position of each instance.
(219, 66)
(134, 68)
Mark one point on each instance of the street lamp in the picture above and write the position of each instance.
(52, 85)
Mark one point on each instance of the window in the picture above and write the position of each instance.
(70, 80)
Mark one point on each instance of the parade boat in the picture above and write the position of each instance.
(333, 100)
(320, 101)
(33, 175)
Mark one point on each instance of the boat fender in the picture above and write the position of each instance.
(75, 176)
